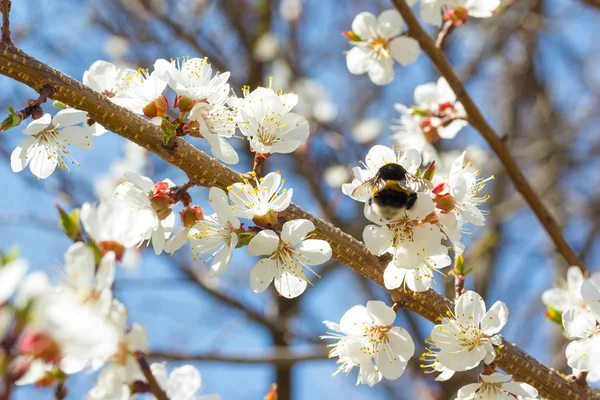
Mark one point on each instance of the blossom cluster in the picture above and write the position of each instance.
(202, 107)
(417, 239)
(76, 325)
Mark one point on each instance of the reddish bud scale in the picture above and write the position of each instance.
(352, 36)
(191, 215)
(446, 106)
(41, 346)
(160, 190)
(445, 202)
(111, 245)
(457, 15)
(185, 104)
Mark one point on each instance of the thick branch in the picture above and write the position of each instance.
(477, 120)
(206, 171)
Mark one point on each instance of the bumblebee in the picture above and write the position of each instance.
(392, 191)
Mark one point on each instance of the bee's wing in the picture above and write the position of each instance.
(416, 184)
(364, 191)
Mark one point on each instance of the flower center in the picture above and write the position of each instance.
(379, 332)
(470, 336)
(379, 47)
(402, 231)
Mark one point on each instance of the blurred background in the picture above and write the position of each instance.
(534, 70)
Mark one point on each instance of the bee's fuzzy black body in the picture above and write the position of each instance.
(389, 202)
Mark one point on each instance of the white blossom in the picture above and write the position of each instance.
(104, 77)
(110, 386)
(139, 194)
(130, 341)
(181, 384)
(47, 142)
(216, 122)
(377, 42)
(140, 91)
(568, 294)
(496, 387)
(215, 234)
(470, 334)
(82, 334)
(114, 227)
(435, 102)
(479, 8)
(460, 191)
(366, 339)
(581, 323)
(287, 257)
(266, 197)
(265, 119)
(92, 287)
(192, 78)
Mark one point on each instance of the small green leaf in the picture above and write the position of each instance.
(429, 172)
(69, 223)
(554, 315)
(59, 104)
(11, 121)
(244, 239)
(169, 130)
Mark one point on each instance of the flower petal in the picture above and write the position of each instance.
(470, 308)
(578, 322)
(314, 251)
(358, 60)
(591, 295)
(69, 117)
(222, 258)
(262, 274)
(381, 72)
(365, 25)
(263, 244)
(42, 163)
(184, 382)
(381, 313)
(21, 155)
(393, 276)
(494, 320)
(289, 285)
(293, 232)
(389, 23)
(377, 239)
(520, 389)
(38, 125)
(404, 50)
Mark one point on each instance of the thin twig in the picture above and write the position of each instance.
(279, 356)
(478, 122)
(6, 4)
(154, 387)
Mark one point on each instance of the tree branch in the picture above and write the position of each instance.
(6, 4)
(478, 122)
(153, 385)
(280, 355)
(206, 171)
